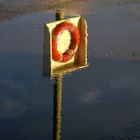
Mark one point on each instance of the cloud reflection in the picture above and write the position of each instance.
(122, 82)
(90, 96)
(14, 98)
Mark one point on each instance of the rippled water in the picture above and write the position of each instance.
(99, 103)
(9, 9)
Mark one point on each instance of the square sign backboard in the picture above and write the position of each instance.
(65, 46)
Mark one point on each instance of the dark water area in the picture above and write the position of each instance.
(100, 102)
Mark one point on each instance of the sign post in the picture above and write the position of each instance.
(65, 51)
(57, 95)
(57, 108)
(59, 15)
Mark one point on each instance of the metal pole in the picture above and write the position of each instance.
(59, 15)
(57, 107)
(58, 94)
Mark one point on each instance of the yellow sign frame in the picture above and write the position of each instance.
(52, 68)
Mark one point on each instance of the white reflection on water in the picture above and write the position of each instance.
(90, 96)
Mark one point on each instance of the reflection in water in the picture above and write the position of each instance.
(112, 86)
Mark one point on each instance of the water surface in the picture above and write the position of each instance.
(99, 103)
